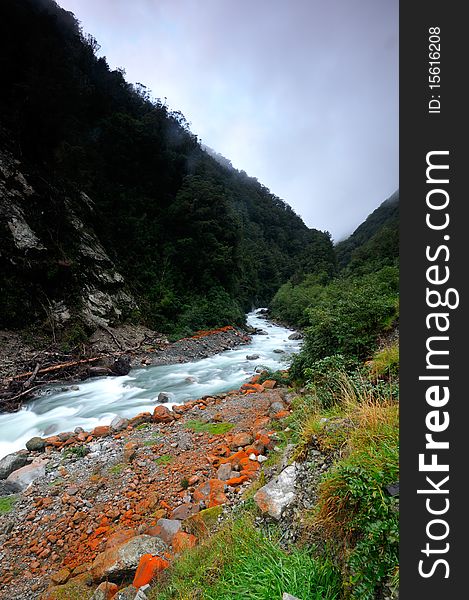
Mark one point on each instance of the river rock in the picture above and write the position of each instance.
(36, 444)
(27, 474)
(123, 559)
(275, 496)
(164, 397)
(161, 414)
(278, 351)
(119, 423)
(121, 365)
(11, 463)
(295, 336)
(252, 356)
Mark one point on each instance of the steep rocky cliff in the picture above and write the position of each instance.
(53, 265)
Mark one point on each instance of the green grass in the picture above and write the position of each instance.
(240, 562)
(6, 504)
(153, 440)
(77, 451)
(353, 510)
(212, 428)
(143, 426)
(164, 459)
(117, 469)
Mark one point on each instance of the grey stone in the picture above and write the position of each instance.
(184, 511)
(101, 592)
(7, 488)
(275, 496)
(35, 444)
(169, 528)
(224, 472)
(275, 408)
(295, 336)
(252, 356)
(119, 423)
(27, 474)
(279, 351)
(127, 593)
(11, 463)
(164, 397)
(287, 596)
(122, 560)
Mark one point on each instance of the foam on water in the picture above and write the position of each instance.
(98, 401)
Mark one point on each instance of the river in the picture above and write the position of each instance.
(97, 401)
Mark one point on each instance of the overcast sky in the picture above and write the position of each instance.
(302, 94)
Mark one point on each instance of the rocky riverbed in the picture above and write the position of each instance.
(25, 369)
(84, 507)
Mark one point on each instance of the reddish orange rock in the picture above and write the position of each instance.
(282, 414)
(236, 458)
(148, 568)
(269, 384)
(212, 492)
(161, 414)
(101, 431)
(237, 480)
(183, 541)
(252, 387)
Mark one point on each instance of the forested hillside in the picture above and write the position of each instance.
(111, 209)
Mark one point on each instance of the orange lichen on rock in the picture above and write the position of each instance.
(148, 568)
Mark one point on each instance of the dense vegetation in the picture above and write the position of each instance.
(346, 314)
(197, 242)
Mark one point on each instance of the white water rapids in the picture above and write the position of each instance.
(97, 401)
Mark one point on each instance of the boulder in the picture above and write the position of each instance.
(279, 351)
(295, 336)
(60, 577)
(164, 397)
(252, 356)
(168, 529)
(243, 438)
(211, 493)
(7, 488)
(184, 511)
(224, 472)
(148, 568)
(36, 444)
(121, 365)
(275, 496)
(161, 414)
(101, 431)
(119, 423)
(27, 474)
(123, 559)
(11, 463)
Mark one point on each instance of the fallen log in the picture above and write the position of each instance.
(71, 363)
